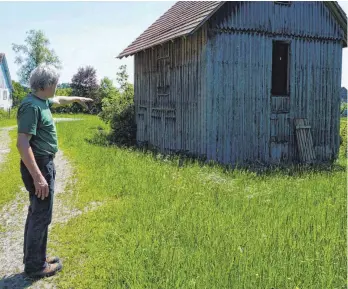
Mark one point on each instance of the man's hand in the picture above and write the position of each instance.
(84, 100)
(41, 187)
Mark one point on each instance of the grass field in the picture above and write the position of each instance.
(161, 226)
(7, 122)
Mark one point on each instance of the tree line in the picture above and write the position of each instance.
(113, 104)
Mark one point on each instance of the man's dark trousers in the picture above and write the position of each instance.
(39, 216)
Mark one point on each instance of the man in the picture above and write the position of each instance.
(37, 145)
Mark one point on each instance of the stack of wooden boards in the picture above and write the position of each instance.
(304, 140)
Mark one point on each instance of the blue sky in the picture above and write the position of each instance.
(81, 33)
(88, 33)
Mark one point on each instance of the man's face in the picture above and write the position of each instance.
(51, 90)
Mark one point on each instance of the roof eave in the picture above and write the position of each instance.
(121, 55)
(340, 16)
(207, 18)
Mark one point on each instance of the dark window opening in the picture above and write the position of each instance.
(280, 68)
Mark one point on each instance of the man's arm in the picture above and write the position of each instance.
(64, 100)
(27, 156)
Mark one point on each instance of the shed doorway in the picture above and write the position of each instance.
(280, 102)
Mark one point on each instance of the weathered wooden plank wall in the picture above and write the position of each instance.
(238, 99)
(301, 19)
(244, 123)
(169, 88)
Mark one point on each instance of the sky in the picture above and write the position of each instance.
(81, 33)
(88, 33)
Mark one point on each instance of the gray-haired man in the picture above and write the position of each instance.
(37, 145)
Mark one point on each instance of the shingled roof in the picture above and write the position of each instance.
(185, 17)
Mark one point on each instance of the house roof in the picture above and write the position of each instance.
(186, 17)
(4, 62)
(183, 18)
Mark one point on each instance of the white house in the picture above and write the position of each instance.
(5, 84)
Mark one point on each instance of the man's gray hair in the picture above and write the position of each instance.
(43, 76)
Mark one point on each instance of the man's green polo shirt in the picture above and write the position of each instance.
(34, 117)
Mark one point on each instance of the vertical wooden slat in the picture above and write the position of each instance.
(183, 101)
(328, 101)
(209, 92)
(199, 122)
(203, 60)
(225, 128)
(238, 98)
(228, 96)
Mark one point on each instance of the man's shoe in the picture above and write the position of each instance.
(50, 270)
(52, 260)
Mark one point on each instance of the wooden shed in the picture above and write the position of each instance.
(229, 80)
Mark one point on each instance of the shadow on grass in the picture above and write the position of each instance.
(183, 158)
(16, 281)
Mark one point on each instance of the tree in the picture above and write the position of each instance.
(107, 90)
(118, 109)
(110, 99)
(64, 91)
(19, 92)
(84, 83)
(35, 52)
(115, 100)
(122, 122)
(63, 85)
(126, 88)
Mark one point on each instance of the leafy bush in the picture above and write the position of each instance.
(3, 114)
(111, 99)
(8, 115)
(343, 140)
(118, 109)
(123, 127)
(19, 93)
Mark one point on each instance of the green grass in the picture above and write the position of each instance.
(197, 227)
(6, 119)
(66, 115)
(7, 122)
(10, 179)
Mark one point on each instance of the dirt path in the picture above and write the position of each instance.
(13, 216)
(4, 142)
